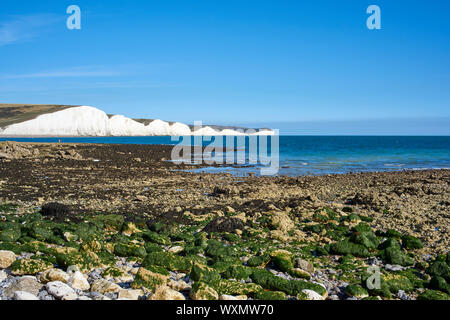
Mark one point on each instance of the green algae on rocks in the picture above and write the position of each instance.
(269, 281)
(270, 295)
(168, 261)
(150, 278)
(356, 291)
(29, 266)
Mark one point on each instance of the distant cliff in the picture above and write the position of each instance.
(86, 121)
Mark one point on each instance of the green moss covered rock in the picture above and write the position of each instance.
(9, 232)
(362, 228)
(356, 291)
(29, 267)
(238, 272)
(258, 261)
(383, 290)
(389, 243)
(351, 217)
(130, 228)
(299, 273)
(394, 255)
(391, 233)
(201, 240)
(112, 272)
(397, 282)
(202, 291)
(231, 237)
(282, 260)
(85, 261)
(10, 246)
(237, 288)
(152, 247)
(270, 295)
(410, 242)
(439, 283)
(368, 240)
(440, 269)
(217, 250)
(91, 245)
(433, 295)
(204, 274)
(150, 278)
(86, 232)
(109, 221)
(346, 247)
(269, 281)
(415, 277)
(222, 265)
(129, 250)
(155, 237)
(168, 261)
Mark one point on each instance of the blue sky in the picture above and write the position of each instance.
(301, 66)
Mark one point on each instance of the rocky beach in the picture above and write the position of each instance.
(102, 222)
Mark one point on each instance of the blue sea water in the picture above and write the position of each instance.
(316, 155)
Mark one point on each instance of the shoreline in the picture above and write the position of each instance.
(196, 166)
(146, 163)
(275, 218)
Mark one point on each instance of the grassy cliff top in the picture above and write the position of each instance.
(16, 113)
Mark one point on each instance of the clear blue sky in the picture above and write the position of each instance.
(302, 66)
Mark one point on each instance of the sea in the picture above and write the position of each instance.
(317, 155)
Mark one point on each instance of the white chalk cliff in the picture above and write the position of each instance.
(88, 121)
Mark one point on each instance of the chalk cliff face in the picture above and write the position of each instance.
(90, 121)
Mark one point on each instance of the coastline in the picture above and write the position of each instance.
(146, 163)
(262, 213)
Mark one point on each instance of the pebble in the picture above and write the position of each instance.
(94, 275)
(166, 293)
(141, 198)
(104, 286)
(179, 276)
(78, 281)
(402, 295)
(312, 295)
(23, 295)
(72, 269)
(179, 285)
(134, 270)
(3, 275)
(61, 291)
(130, 294)
(44, 295)
(374, 262)
(176, 249)
(304, 265)
(390, 267)
(6, 258)
(98, 296)
(53, 275)
(26, 283)
(228, 297)
(112, 295)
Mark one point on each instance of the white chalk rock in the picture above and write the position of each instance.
(23, 295)
(61, 291)
(312, 295)
(78, 281)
